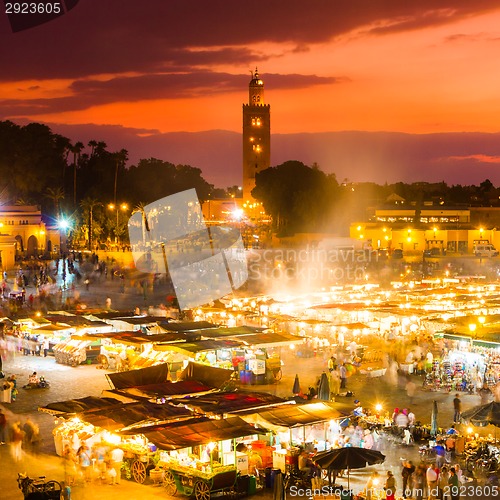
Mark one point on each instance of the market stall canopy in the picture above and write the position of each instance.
(189, 349)
(166, 390)
(186, 326)
(151, 375)
(354, 326)
(235, 331)
(231, 402)
(270, 339)
(208, 375)
(194, 432)
(285, 417)
(51, 329)
(126, 414)
(74, 406)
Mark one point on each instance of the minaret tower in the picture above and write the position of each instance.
(256, 134)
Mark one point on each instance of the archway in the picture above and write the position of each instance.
(32, 249)
(49, 246)
(20, 245)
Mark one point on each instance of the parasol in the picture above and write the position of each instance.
(324, 388)
(348, 458)
(296, 386)
(483, 415)
(434, 423)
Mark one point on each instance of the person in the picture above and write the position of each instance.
(390, 486)
(16, 441)
(453, 483)
(46, 347)
(411, 387)
(3, 428)
(343, 376)
(33, 379)
(411, 418)
(372, 485)
(83, 455)
(31, 434)
(401, 420)
(304, 463)
(70, 461)
(431, 477)
(443, 478)
(332, 364)
(254, 463)
(358, 409)
(65, 491)
(452, 430)
(440, 453)
(407, 475)
(419, 482)
(457, 407)
(116, 462)
(334, 380)
(368, 440)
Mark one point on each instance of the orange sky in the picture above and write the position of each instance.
(360, 65)
(441, 78)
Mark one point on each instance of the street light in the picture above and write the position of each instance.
(472, 328)
(122, 206)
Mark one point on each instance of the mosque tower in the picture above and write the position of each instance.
(256, 135)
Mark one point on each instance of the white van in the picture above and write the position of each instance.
(485, 250)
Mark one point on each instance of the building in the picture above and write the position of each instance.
(256, 158)
(256, 135)
(24, 234)
(437, 229)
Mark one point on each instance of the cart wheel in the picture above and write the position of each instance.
(103, 361)
(52, 486)
(169, 483)
(278, 374)
(201, 491)
(138, 471)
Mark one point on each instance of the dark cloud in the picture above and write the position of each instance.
(116, 36)
(87, 93)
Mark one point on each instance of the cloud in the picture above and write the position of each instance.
(88, 93)
(479, 158)
(118, 36)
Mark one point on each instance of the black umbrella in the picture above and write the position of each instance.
(348, 458)
(483, 415)
(296, 386)
(324, 388)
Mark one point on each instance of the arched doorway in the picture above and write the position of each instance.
(49, 246)
(20, 245)
(32, 249)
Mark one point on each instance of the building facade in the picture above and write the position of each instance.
(256, 135)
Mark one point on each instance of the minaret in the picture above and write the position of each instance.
(256, 134)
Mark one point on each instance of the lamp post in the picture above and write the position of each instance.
(472, 329)
(481, 320)
(122, 206)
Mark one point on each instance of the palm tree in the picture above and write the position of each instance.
(89, 204)
(120, 158)
(140, 208)
(76, 150)
(55, 195)
(92, 144)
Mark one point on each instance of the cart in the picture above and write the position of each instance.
(273, 368)
(138, 466)
(189, 481)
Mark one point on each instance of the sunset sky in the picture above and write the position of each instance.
(126, 70)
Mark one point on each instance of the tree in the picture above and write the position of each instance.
(76, 150)
(88, 205)
(296, 196)
(55, 195)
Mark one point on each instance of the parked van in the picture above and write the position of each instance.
(485, 250)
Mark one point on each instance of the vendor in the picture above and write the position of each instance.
(33, 379)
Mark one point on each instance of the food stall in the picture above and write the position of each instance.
(297, 426)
